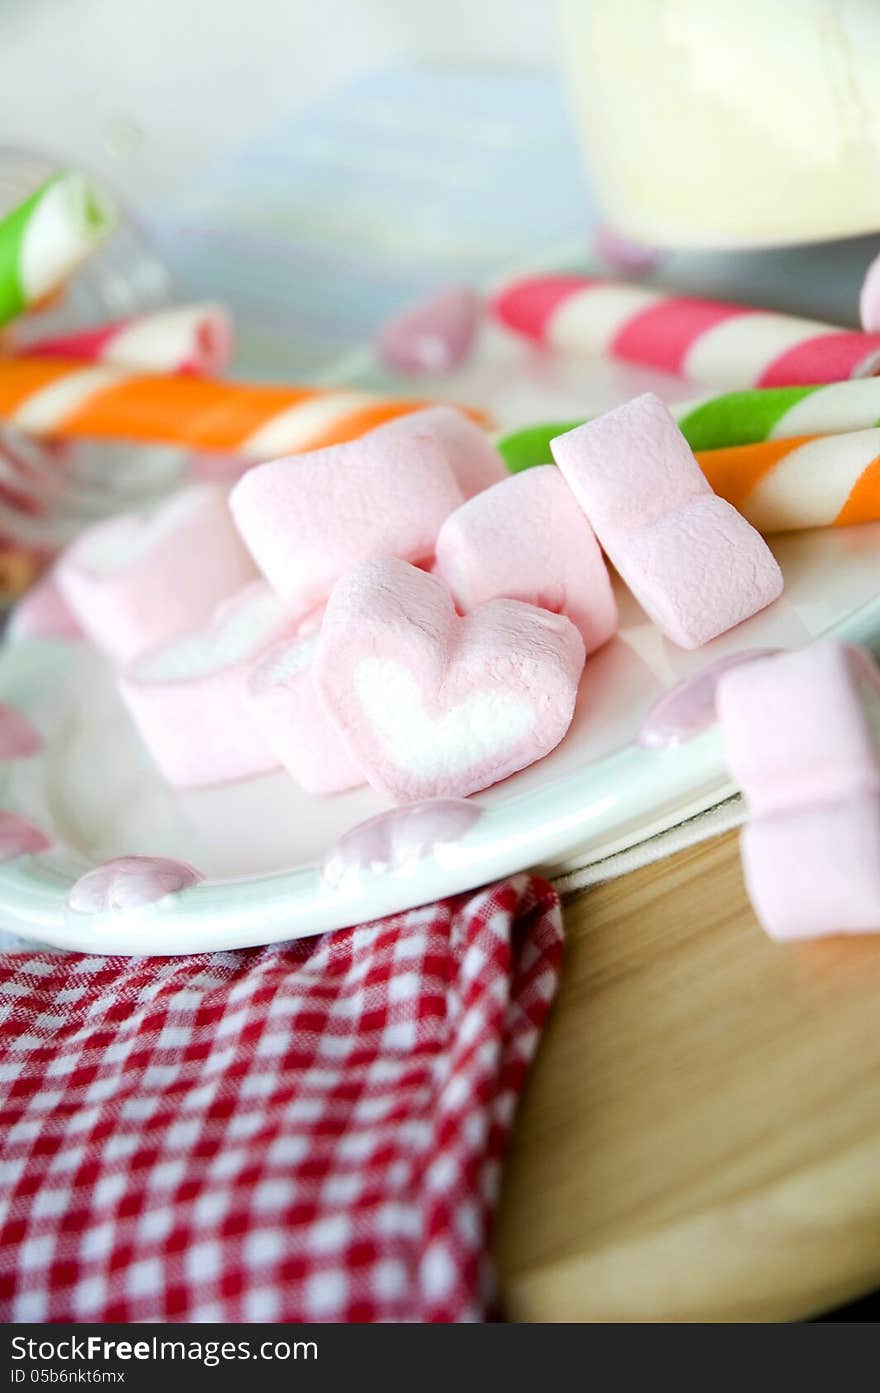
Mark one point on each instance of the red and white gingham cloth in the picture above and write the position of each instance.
(306, 1132)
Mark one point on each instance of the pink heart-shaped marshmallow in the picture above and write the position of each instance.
(135, 581)
(187, 697)
(308, 518)
(433, 705)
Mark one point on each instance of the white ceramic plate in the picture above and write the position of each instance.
(260, 844)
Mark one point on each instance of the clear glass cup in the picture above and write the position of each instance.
(51, 490)
(728, 123)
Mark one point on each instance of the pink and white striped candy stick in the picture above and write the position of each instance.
(182, 338)
(720, 344)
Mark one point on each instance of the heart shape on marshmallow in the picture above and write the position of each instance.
(287, 708)
(308, 518)
(187, 696)
(433, 705)
(136, 580)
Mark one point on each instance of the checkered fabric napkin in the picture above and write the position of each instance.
(306, 1132)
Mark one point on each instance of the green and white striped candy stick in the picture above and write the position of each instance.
(734, 418)
(45, 238)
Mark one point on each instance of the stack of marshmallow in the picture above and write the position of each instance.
(398, 610)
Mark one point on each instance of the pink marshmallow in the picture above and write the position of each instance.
(290, 714)
(187, 697)
(687, 709)
(798, 727)
(133, 582)
(469, 452)
(43, 613)
(801, 735)
(527, 539)
(432, 705)
(692, 561)
(312, 622)
(308, 518)
(815, 872)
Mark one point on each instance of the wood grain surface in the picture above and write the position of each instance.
(700, 1136)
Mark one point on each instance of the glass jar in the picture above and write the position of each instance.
(51, 490)
(728, 123)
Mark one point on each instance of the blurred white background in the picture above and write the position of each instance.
(146, 92)
(150, 93)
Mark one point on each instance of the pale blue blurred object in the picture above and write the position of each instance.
(414, 178)
(401, 182)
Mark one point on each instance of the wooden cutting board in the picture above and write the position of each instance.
(700, 1136)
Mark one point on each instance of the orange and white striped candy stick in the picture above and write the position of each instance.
(811, 481)
(709, 341)
(51, 397)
